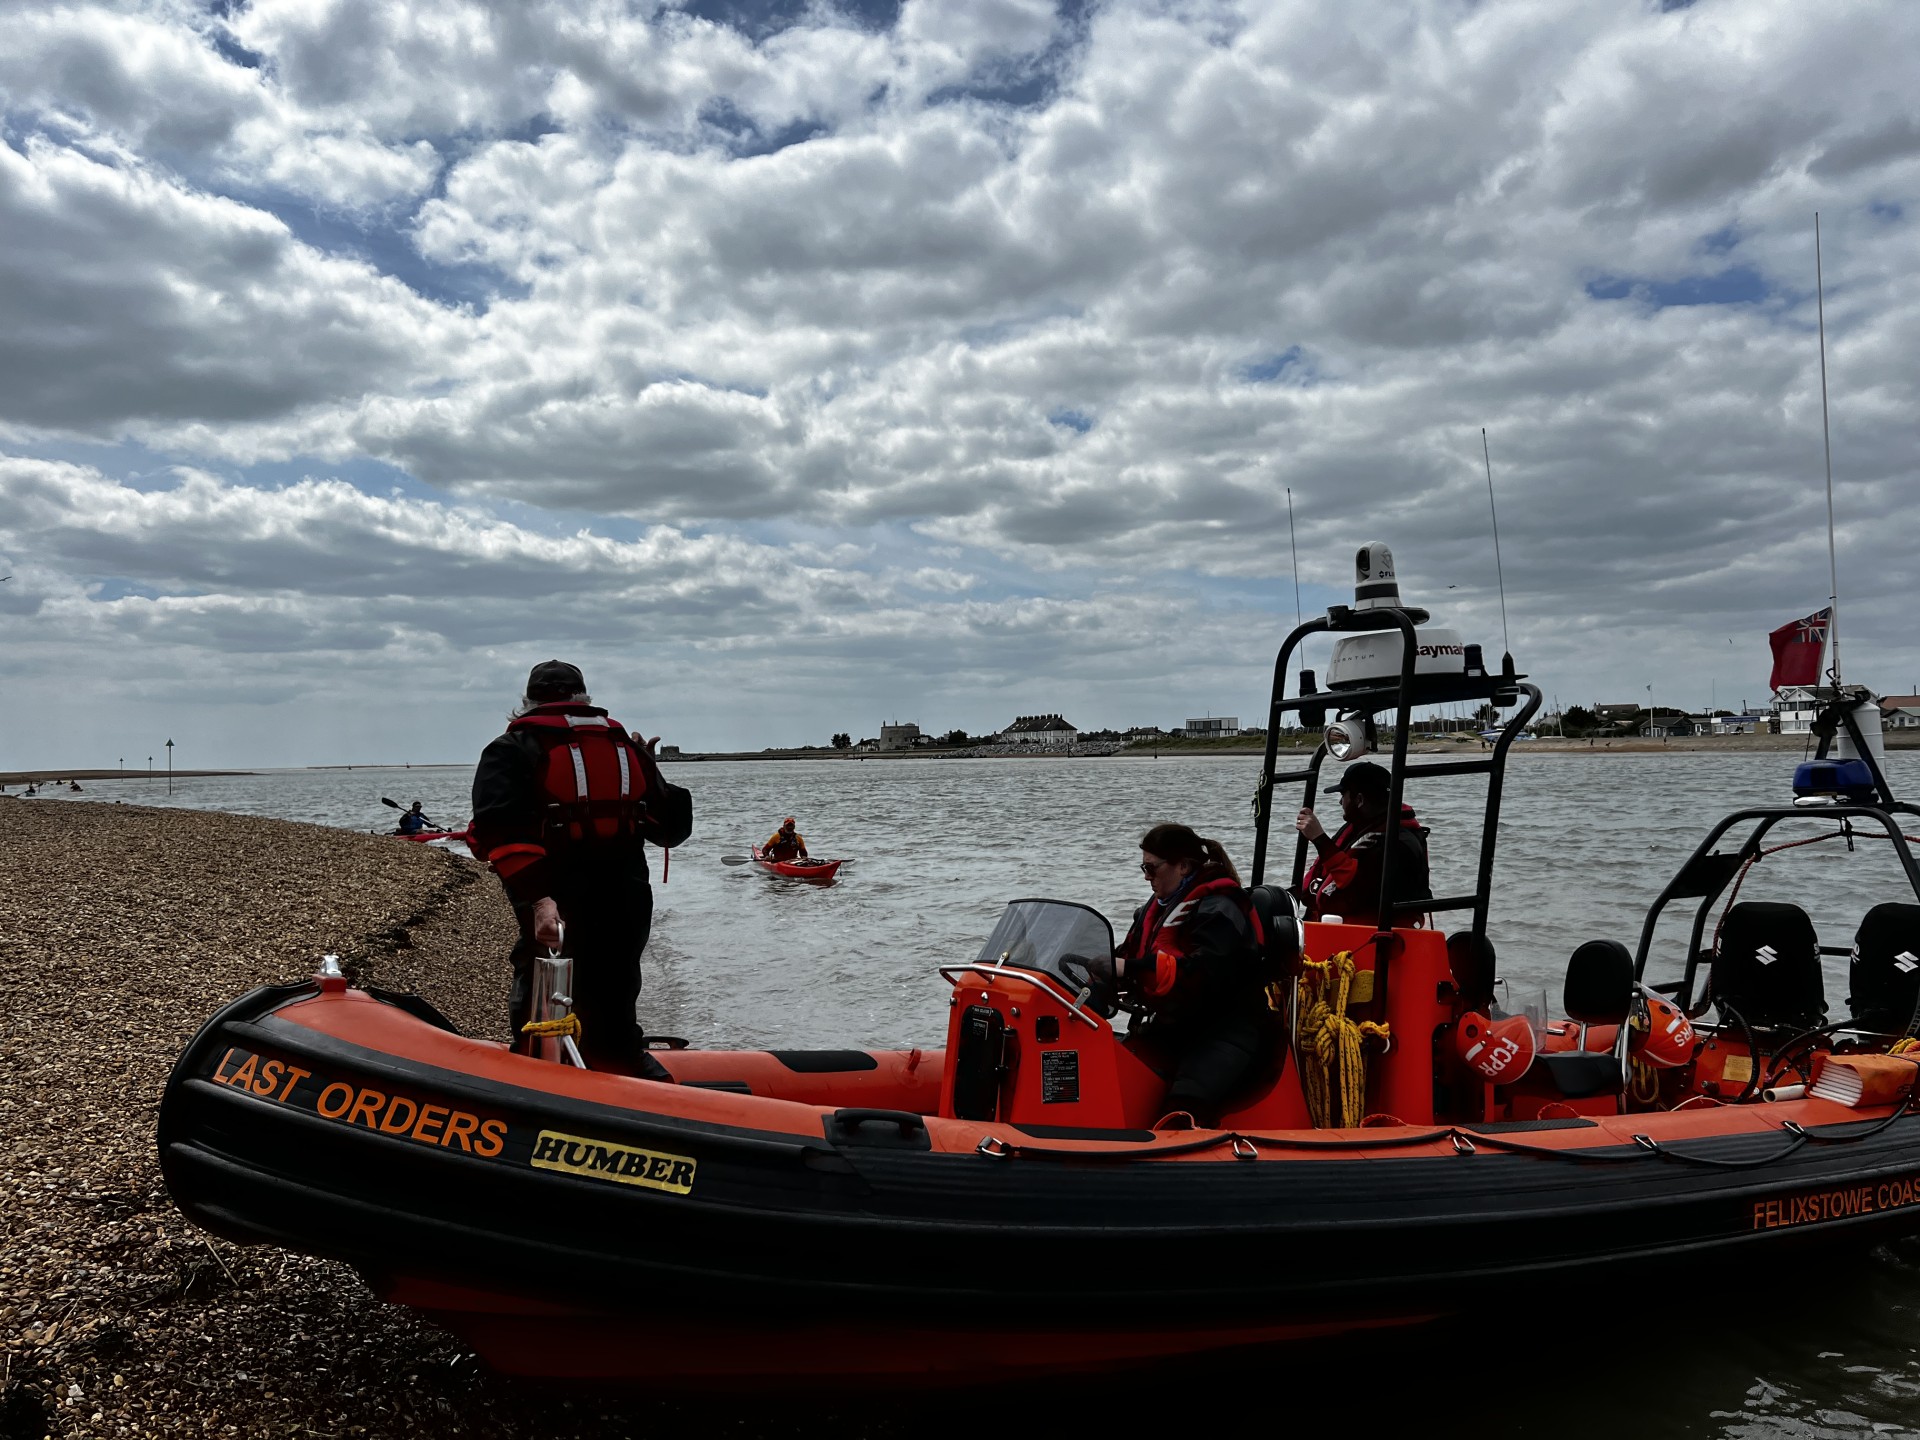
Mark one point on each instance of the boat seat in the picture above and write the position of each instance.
(1280, 920)
(1768, 966)
(1470, 960)
(1599, 991)
(1884, 975)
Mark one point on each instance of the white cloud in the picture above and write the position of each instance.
(774, 290)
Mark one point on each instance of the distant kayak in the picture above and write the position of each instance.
(424, 835)
(797, 869)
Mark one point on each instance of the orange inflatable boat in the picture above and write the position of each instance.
(983, 1209)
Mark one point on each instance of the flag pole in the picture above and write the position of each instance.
(1826, 435)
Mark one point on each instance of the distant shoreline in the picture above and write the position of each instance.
(1543, 745)
(52, 776)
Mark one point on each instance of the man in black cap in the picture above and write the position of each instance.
(1344, 878)
(563, 804)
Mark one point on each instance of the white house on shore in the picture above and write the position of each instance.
(1048, 730)
(1794, 709)
(1900, 712)
(1212, 727)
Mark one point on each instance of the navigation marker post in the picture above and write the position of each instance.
(169, 767)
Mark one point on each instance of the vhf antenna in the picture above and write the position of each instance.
(1826, 435)
(1498, 570)
(1294, 545)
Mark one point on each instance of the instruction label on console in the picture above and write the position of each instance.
(1059, 1077)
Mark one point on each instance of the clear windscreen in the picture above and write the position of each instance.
(1054, 937)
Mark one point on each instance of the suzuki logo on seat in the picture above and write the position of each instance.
(1906, 960)
(1766, 954)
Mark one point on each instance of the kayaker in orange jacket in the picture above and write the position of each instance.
(785, 844)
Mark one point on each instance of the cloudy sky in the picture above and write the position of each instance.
(792, 367)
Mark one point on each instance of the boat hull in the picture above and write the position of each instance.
(603, 1227)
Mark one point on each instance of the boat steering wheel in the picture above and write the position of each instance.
(1103, 995)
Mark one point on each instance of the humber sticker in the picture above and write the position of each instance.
(624, 1164)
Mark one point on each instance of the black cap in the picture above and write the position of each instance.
(1366, 777)
(554, 677)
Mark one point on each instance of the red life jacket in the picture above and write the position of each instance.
(1163, 939)
(595, 781)
(1329, 880)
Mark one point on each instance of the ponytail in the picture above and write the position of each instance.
(1178, 842)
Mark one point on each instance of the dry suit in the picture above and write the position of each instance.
(1344, 878)
(1195, 963)
(563, 805)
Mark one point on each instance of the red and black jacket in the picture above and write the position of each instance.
(567, 787)
(1199, 952)
(1344, 878)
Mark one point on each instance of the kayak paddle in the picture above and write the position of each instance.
(396, 805)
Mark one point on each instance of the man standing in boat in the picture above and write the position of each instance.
(1344, 878)
(563, 805)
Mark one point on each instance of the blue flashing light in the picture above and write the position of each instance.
(1845, 779)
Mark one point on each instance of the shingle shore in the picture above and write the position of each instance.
(121, 929)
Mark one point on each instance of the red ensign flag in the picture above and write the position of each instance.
(1796, 650)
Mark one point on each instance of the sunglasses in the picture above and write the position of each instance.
(1150, 868)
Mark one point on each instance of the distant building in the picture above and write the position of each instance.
(669, 752)
(1612, 715)
(899, 737)
(1212, 727)
(1039, 730)
(1738, 724)
(1900, 712)
(1794, 709)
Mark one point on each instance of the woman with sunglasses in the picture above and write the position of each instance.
(1192, 965)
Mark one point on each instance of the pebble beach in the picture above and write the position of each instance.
(121, 929)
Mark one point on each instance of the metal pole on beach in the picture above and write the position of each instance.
(169, 767)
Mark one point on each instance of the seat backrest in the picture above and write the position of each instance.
(1281, 923)
(1884, 975)
(1768, 966)
(1470, 960)
(1599, 983)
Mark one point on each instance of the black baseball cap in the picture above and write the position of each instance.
(1365, 777)
(555, 677)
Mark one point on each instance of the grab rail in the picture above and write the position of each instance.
(1044, 981)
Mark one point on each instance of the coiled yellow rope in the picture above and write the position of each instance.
(565, 1025)
(1330, 1044)
(1643, 1083)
